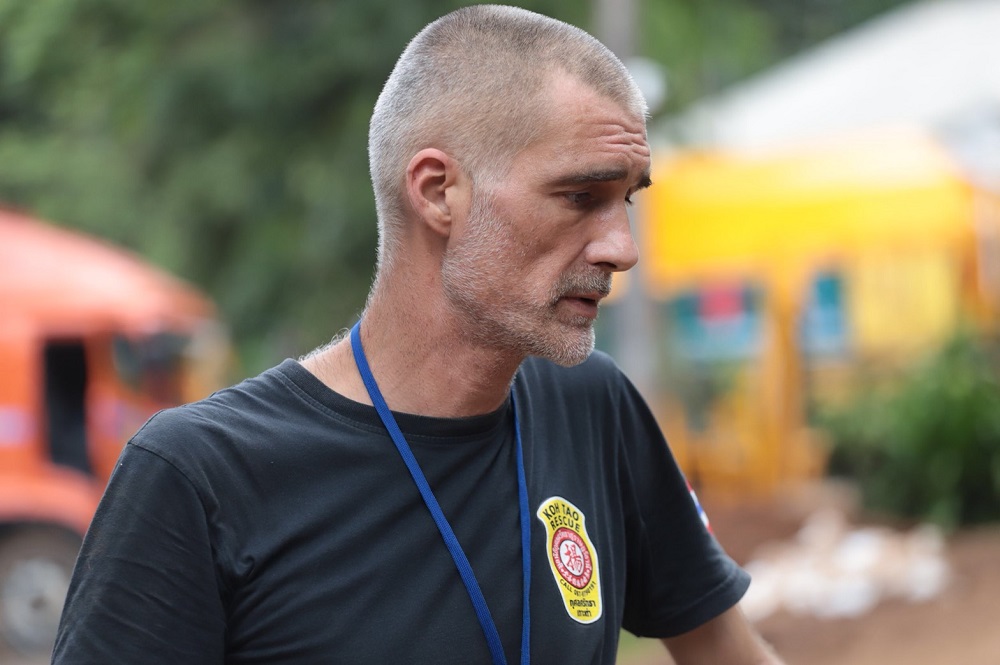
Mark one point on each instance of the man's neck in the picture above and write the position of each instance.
(423, 362)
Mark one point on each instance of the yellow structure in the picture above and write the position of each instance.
(801, 265)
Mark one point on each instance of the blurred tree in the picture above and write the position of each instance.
(226, 140)
(707, 45)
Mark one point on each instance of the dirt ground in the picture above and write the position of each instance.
(962, 625)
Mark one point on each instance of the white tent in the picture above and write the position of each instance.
(933, 64)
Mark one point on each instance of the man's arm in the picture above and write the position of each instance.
(144, 589)
(728, 638)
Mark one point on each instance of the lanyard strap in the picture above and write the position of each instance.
(450, 541)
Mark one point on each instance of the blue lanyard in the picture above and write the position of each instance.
(461, 561)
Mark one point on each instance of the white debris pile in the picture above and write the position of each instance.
(830, 570)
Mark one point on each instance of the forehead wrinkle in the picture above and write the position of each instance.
(618, 131)
(635, 142)
(614, 143)
(615, 137)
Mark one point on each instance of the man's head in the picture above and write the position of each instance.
(473, 85)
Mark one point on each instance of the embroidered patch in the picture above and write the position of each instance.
(573, 559)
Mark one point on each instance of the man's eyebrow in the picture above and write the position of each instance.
(599, 175)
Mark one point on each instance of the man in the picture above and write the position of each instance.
(460, 481)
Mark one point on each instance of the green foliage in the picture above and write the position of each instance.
(930, 448)
(707, 45)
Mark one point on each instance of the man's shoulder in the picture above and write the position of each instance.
(226, 415)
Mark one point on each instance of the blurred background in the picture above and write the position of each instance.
(184, 202)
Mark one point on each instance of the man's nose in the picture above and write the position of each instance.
(614, 247)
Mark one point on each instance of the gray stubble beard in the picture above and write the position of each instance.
(486, 319)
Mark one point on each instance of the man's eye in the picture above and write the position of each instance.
(581, 199)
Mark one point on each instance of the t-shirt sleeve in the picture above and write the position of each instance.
(678, 575)
(144, 589)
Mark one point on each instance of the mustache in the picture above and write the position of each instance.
(595, 282)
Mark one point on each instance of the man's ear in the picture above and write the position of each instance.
(433, 185)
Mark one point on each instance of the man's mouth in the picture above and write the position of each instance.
(583, 304)
(584, 293)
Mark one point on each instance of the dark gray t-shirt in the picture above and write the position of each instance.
(275, 522)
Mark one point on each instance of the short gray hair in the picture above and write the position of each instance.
(470, 84)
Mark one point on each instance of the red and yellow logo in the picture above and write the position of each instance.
(572, 558)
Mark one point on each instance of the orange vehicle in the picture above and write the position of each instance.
(92, 342)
